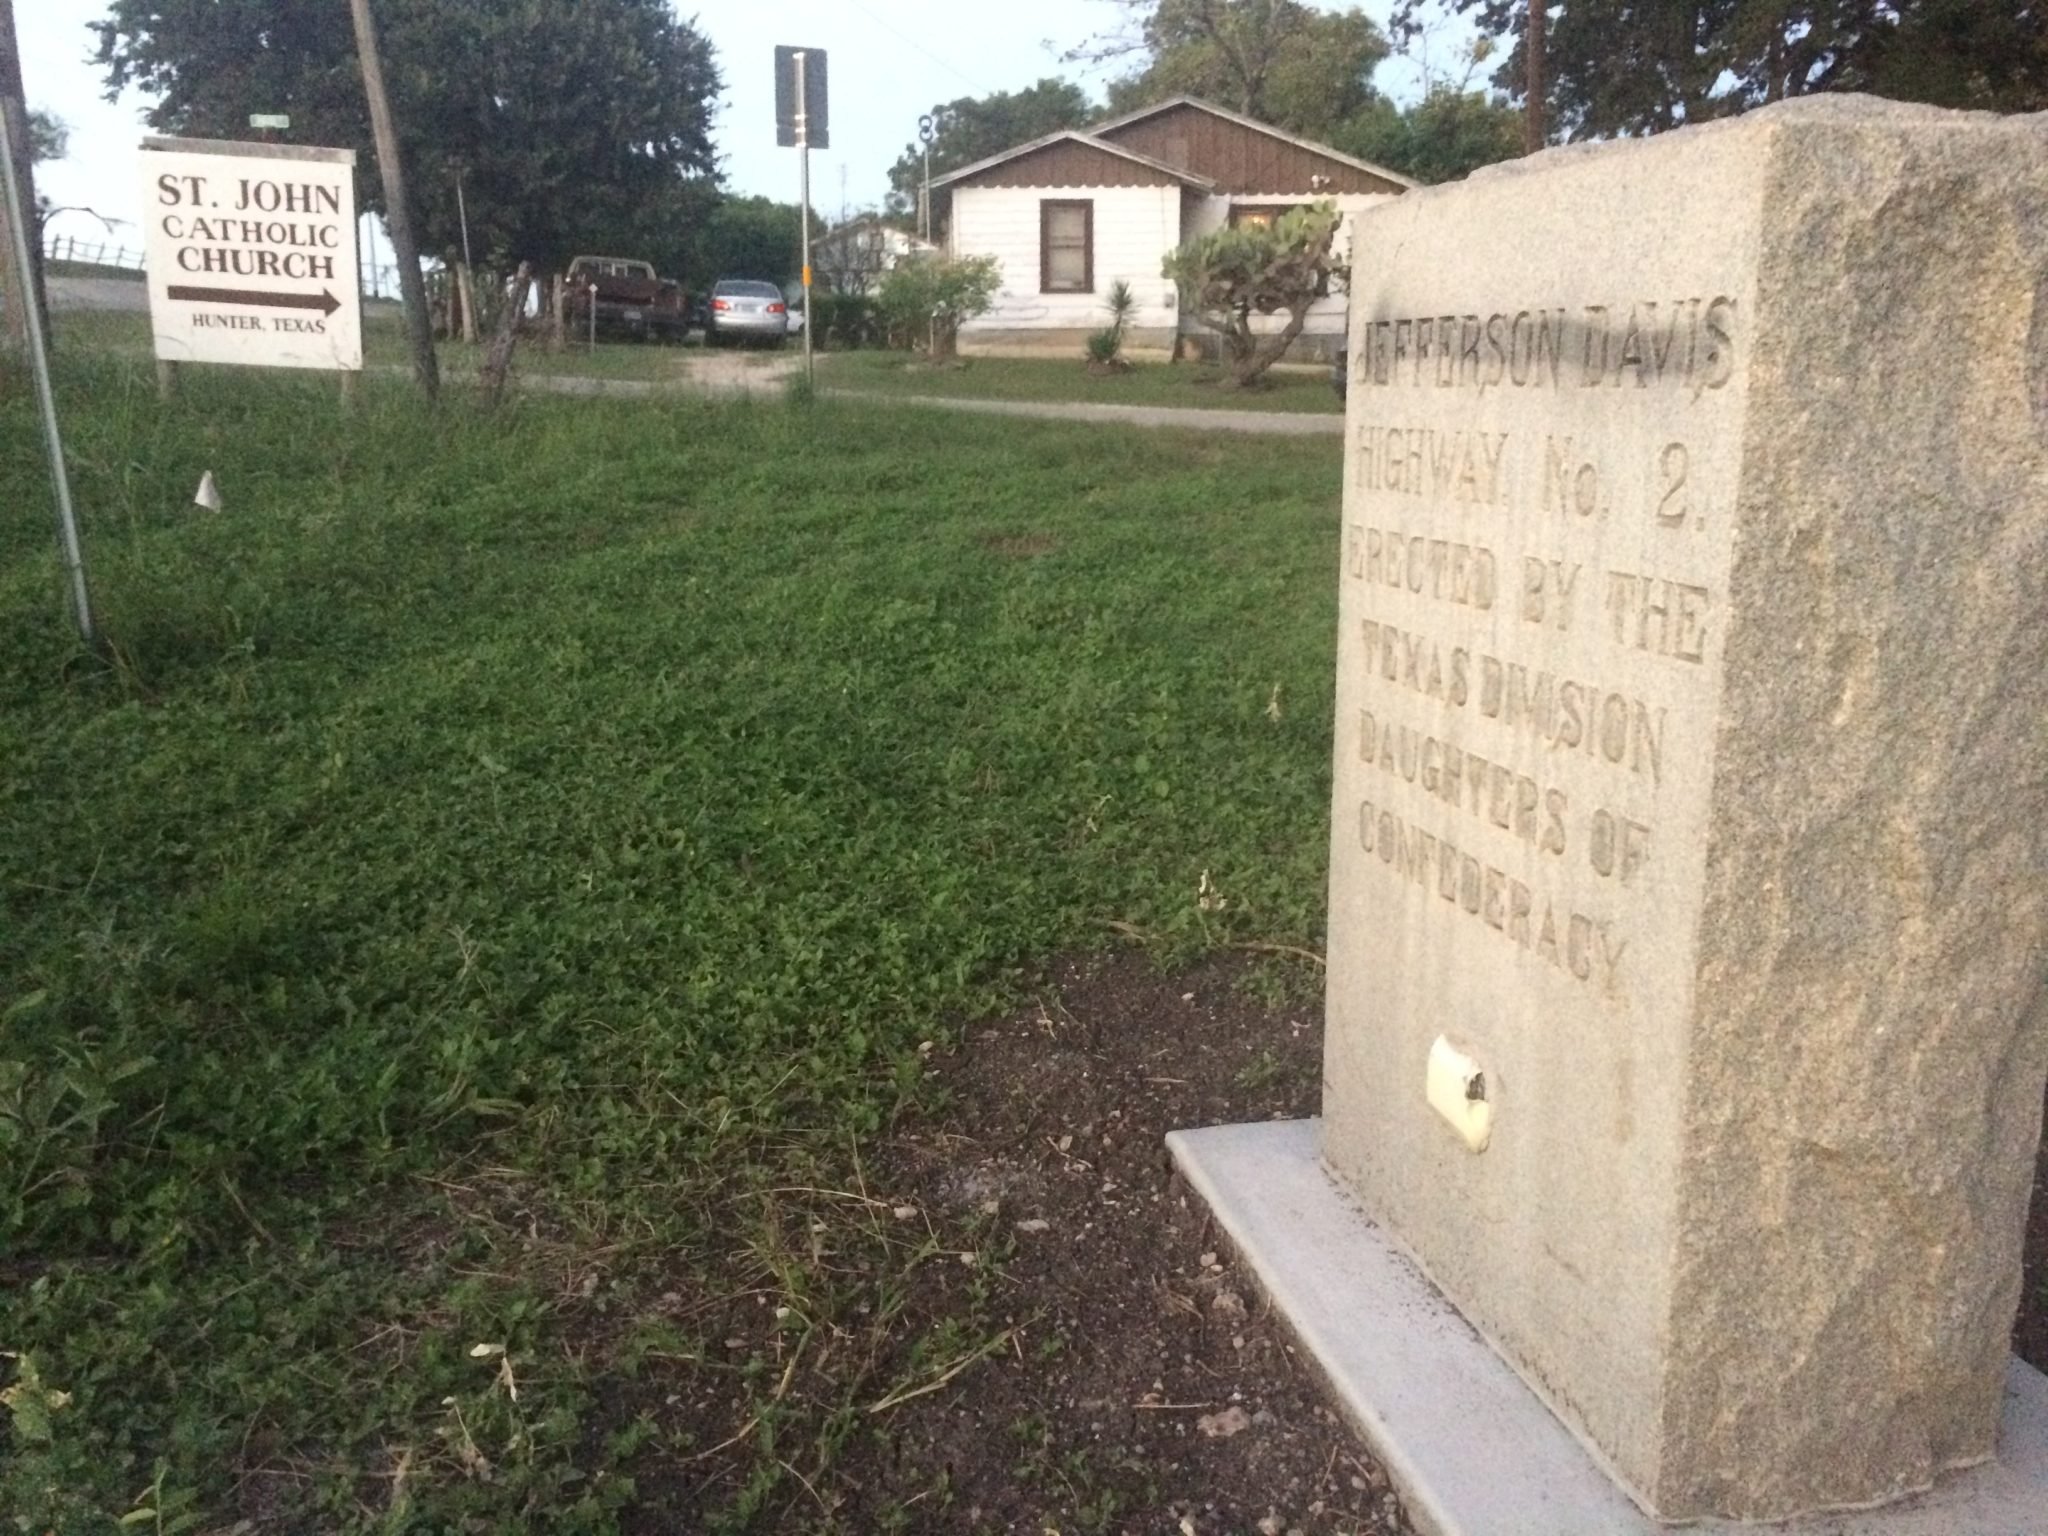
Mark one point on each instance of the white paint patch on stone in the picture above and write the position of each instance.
(1457, 1089)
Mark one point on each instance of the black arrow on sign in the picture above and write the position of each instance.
(323, 301)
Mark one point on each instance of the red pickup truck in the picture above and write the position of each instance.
(629, 299)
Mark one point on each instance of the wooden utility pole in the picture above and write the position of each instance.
(397, 211)
(23, 288)
(1534, 135)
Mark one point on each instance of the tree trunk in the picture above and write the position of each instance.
(558, 313)
(1534, 128)
(1246, 370)
(498, 362)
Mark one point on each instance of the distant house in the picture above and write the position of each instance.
(852, 257)
(1069, 214)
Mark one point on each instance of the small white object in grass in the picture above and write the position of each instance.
(208, 494)
(905, 1212)
(1035, 1224)
(485, 1351)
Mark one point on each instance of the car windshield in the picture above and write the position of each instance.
(747, 291)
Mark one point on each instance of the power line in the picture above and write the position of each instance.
(946, 64)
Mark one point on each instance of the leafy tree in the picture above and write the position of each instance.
(1642, 66)
(49, 137)
(1227, 276)
(930, 296)
(575, 124)
(973, 128)
(1286, 63)
(1447, 135)
(748, 237)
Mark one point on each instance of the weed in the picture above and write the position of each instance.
(1262, 1071)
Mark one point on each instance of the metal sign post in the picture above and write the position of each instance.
(803, 139)
(39, 360)
(800, 122)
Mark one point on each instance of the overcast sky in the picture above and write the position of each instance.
(890, 60)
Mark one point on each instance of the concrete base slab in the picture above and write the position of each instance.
(1472, 1450)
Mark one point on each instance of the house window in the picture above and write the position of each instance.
(1247, 216)
(1265, 216)
(1066, 247)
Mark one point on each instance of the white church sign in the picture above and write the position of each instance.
(251, 254)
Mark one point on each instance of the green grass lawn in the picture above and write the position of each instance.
(498, 862)
(1190, 385)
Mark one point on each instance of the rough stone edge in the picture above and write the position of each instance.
(1470, 1448)
(1831, 107)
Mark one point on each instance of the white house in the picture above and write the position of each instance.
(1071, 213)
(852, 257)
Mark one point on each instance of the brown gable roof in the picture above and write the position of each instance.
(1072, 159)
(1241, 154)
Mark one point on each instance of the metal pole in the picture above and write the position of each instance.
(926, 209)
(39, 360)
(593, 315)
(803, 139)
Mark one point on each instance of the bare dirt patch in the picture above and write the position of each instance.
(1126, 1376)
(718, 370)
(1170, 1381)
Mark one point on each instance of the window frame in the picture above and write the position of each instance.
(1046, 208)
(1242, 214)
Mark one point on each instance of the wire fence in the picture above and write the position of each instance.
(378, 282)
(87, 253)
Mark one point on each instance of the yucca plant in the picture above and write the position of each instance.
(1105, 347)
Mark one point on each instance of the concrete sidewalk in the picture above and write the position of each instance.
(1273, 423)
(761, 382)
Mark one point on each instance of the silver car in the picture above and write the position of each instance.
(744, 311)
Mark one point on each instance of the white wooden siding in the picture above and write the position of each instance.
(1134, 229)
